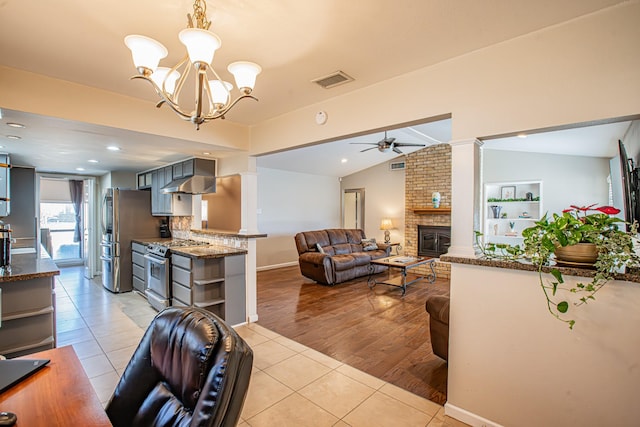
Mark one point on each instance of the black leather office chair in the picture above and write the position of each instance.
(190, 369)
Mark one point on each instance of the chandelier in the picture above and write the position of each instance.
(213, 96)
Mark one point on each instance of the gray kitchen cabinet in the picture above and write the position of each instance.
(167, 204)
(177, 171)
(144, 181)
(138, 269)
(187, 168)
(5, 206)
(215, 284)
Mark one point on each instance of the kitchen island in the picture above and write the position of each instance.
(28, 304)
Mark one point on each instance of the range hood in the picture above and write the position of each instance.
(196, 184)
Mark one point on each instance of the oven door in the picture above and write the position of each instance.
(157, 281)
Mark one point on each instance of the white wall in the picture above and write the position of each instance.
(291, 202)
(514, 364)
(384, 198)
(566, 180)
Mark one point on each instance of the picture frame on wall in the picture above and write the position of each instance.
(508, 192)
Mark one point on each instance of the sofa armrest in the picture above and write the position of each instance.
(385, 247)
(317, 266)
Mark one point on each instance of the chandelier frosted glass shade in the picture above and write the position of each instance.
(163, 76)
(200, 44)
(245, 74)
(220, 91)
(146, 52)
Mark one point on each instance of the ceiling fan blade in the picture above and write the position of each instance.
(364, 143)
(367, 149)
(396, 149)
(409, 144)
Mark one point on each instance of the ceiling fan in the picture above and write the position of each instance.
(387, 143)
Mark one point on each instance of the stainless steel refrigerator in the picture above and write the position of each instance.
(126, 214)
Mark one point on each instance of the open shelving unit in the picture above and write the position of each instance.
(509, 199)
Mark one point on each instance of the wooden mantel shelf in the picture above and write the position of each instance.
(432, 211)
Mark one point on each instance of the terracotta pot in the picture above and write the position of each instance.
(584, 253)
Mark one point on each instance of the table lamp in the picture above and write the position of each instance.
(386, 225)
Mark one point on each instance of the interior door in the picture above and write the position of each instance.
(353, 208)
(89, 231)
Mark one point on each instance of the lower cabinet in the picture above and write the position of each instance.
(137, 258)
(28, 316)
(215, 284)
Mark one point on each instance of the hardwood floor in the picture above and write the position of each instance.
(377, 331)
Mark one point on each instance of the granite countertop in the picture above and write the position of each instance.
(147, 240)
(211, 251)
(226, 233)
(27, 266)
(513, 265)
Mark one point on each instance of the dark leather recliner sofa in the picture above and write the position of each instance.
(336, 255)
(190, 369)
(438, 308)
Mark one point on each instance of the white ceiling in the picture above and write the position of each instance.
(293, 41)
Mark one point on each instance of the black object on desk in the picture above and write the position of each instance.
(13, 371)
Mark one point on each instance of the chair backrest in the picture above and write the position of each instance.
(190, 369)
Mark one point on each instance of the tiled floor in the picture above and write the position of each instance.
(291, 385)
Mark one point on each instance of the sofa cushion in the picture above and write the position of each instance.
(378, 253)
(342, 249)
(343, 262)
(361, 258)
(337, 236)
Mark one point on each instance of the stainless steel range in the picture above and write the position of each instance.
(158, 268)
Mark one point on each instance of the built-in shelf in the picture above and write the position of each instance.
(432, 211)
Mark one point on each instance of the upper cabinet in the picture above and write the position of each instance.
(172, 204)
(509, 208)
(4, 185)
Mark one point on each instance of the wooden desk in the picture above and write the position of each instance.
(60, 394)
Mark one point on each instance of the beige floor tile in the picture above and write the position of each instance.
(294, 411)
(65, 325)
(115, 327)
(420, 403)
(114, 342)
(252, 337)
(87, 349)
(104, 385)
(322, 358)
(74, 336)
(295, 346)
(381, 410)
(263, 331)
(96, 365)
(263, 392)
(269, 353)
(363, 377)
(337, 393)
(120, 358)
(297, 371)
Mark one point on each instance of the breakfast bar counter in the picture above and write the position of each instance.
(31, 265)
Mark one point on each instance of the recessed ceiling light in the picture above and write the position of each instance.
(16, 125)
(206, 153)
(1, 146)
(14, 137)
(113, 148)
(522, 135)
(344, 160)
(79, 169)
(92, 161)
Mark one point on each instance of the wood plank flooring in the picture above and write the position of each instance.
(375, 330)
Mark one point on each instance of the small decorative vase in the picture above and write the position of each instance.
(582, 253)
(496, 210)
(435, 199)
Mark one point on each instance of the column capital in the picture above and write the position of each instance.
(466, 142)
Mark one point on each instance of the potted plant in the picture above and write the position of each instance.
(601, 240)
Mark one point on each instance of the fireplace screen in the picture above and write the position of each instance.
(433, 240)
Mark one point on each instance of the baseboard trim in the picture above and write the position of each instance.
(253, 318)
(468, 417)
(274, 266)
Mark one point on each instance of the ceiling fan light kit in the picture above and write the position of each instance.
(213, 96)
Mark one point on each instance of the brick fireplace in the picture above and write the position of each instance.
(427, 170)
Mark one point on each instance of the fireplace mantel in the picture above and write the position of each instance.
(432, 211)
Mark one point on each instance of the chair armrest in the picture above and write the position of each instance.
(313, 257)
(385, 247)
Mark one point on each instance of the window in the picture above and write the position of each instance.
(59, 218)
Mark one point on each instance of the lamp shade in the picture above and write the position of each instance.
(201, 44)
(146, 52)
(220, 91)
(162, 76)
(386, 224)
(245, 73)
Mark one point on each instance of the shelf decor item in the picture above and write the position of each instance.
(435, 199)
(576, 229)
(496, 210)
(508, 192)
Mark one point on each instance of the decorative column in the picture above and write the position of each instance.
(466, 171)
(249, 227)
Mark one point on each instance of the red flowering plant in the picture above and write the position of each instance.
(578, 224)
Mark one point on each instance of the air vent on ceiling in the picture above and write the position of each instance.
(397, 166)
(333, 80)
